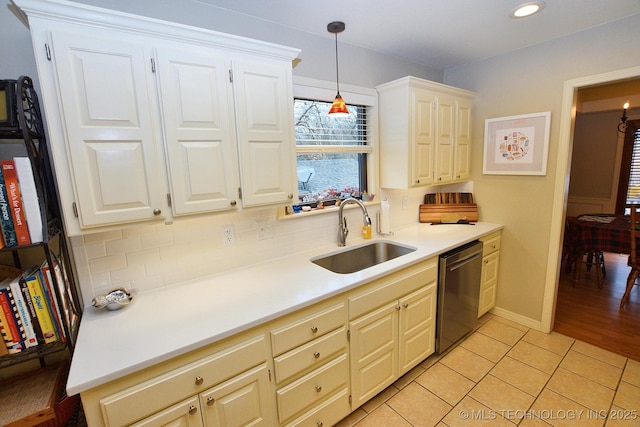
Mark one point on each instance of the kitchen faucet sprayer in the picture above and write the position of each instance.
(342, 221)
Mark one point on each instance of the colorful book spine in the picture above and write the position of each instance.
(52, 302)
(32, 310)
(15, 202)
(29, 198)
(40, 304)
(16, 344)
(6, 221)
(30, 335)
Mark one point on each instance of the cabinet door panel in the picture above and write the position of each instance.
(241, 401)
(109, 129)
(200, 133)
(445, 139)
(265, 135)
(424, 137)
(463, 141)
(374, 353)
(417, 327)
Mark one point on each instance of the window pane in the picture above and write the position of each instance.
(633, 191)
(326, 170)
(329, 176)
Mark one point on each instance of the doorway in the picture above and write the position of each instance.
(563, 170)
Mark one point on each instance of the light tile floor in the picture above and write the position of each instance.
(505, 374)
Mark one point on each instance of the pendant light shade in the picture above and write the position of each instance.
(338, 108)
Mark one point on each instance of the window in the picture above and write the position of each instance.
(633, 190)
(336, 157)
(629, 181)
(332, 153)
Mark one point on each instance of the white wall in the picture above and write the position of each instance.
(528, 81)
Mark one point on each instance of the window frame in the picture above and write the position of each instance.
(321, 90)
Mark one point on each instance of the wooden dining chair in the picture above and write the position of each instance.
(634, 260)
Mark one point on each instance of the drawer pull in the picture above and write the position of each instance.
(199, 380)
(318, 388)
(316, 354)
(192, 410)
(314, 329)
(210, 400)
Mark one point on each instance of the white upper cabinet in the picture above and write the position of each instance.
(109, 128)
(151, 120)
(424, 133)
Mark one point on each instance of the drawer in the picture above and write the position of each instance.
(310, 355)
(312, 388)
(151, 396)
(393, 288)
(491, 244)
(308, 328)
(328, 413)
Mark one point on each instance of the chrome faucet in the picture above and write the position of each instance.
(342, 221)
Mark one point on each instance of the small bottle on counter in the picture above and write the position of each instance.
(366, 231)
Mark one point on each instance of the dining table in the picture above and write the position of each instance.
(599, 232)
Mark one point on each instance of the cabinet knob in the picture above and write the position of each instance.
(405, 305)
(157, 211)
(199, 380)
(319, 424)
(316, 354)
(314, 329)
(398, 307)
(493, 246)
(233, 203)
(289, 196)
(210, 400)
(440, 179)
(486, 261)
(318, 388)
(192, 410)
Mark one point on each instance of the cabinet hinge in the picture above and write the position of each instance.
(350, 399)
(169, 199)
(230, 76)
(47, 51)
(240, 193)
(269, 370)
(75, 209)
(348, 335)
(153, 65)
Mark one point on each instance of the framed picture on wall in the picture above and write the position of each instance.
(517, 145)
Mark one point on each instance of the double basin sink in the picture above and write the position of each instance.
(361, 257)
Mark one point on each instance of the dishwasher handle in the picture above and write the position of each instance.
(461, 262)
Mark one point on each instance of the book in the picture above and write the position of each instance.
(6, 222)
(31, 310)
(15, 343)
(30, 199)
(3, 348)
(43, 315)
(70, 312)
(50, 296)
(14, 198)
(30, 335)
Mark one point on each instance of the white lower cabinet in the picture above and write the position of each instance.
(227, 388)
(312, 367)
(490, 263)
(311, 364)
(392, 328)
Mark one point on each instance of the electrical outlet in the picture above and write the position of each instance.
(265, 229)
(405, 202)
(228, 235)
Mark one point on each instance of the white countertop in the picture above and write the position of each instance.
(160, 325)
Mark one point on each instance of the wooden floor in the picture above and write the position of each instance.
(594, 316)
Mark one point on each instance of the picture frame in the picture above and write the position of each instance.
(517, 145)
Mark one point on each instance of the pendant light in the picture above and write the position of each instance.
(338, 108)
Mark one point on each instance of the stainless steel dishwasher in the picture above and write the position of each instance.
(458, 294)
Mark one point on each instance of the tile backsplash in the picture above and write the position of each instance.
(148, 257)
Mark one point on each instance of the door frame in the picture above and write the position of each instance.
(561, 186)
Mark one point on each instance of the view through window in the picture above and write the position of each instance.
(331, 152)
(633, 189)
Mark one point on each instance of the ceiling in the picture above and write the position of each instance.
(436, 33)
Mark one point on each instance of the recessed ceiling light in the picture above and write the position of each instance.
(527, 9)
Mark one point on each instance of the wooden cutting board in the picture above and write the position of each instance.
(449, 212)
(446, 198)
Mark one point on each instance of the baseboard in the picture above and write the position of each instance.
(518, 318)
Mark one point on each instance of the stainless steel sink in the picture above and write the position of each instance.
(361, 257)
